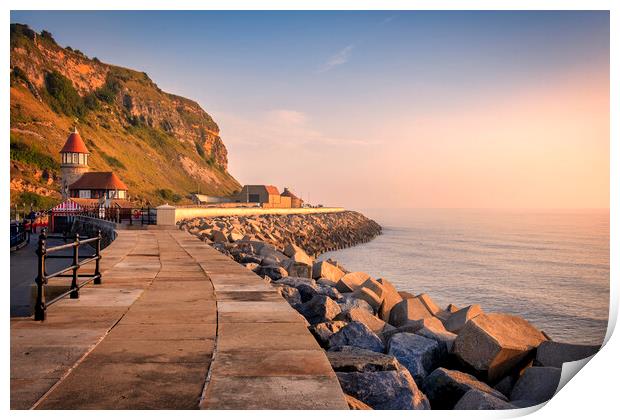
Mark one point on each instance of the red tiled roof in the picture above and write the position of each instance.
(74, 144)
(98, 181)
(271, 190)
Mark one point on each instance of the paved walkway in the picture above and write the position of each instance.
(175, 325)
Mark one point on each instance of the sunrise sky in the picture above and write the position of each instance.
(384, 109)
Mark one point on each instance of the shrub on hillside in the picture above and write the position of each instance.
(62, 96)
(23, 153)
(167, 195)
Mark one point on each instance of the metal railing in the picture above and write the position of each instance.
(43, 253)
(143, 216)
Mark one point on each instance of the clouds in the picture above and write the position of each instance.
(338, 59)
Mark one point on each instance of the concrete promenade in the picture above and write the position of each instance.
(175, 325)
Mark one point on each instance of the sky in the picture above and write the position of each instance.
(383, 109)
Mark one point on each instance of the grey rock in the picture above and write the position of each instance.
(355, 404)
(555, 354)
(458, 319)
(353, 359)
(420, 355)
(274, 272)
(289, 293)
(444, 388)
(444, 338)
(390, 299)
(349, 302)
(324, 330)
(537, 384)
(326, 271)
(384, 390)
(478, 400)
(319, 309)
(494, 345)
(506, 384)
(408, 310)
(376, 325)
(357, 334)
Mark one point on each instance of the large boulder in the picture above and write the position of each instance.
(297, 269)
(289, 293)
(297, 254)
(376, 325)
(274, 272)
(350, 282)
(327, 271)
(429, 303)
(493, 345)
(353, 359)
(420, 355)
(478, 400)
(408, 310)
(390, 299)
(319, 309)
(355, 404)
(444, 338)
(235, 236)
(324, 330)
(457, 320)
(537, 385)
(349, 302)
(372, 292)
(444, 388)
(384, 390)
(554, 354)
(359, 335)
(218, 236)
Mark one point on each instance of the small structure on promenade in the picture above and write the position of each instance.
(267, 195)
(78, 182)
(296, 202)
(202, 199)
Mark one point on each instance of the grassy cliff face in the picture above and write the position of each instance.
(161, 145)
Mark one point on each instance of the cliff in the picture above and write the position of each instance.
(129, 124)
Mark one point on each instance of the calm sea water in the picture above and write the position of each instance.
(552, 268)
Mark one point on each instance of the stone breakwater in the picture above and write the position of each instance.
(392, 349)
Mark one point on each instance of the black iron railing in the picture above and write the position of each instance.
(77, 280)
(142, 216)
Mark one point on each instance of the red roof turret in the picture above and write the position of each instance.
(74, 144)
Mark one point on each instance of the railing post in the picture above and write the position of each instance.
(98, 253)
(75, 293)
(39, 307)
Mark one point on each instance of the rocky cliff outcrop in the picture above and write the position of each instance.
(130, 125)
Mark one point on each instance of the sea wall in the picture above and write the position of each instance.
(315, 232)
(88, 227)
(391, 349)
(191, 212)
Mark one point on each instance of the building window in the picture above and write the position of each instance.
(122, 194)
(75, 158)
(85, 159)
(84, 193)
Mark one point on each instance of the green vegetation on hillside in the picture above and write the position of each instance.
(168, 196)
(27, 198)
(62, 96)
(112, 161)
(27, 154)
(164, 145)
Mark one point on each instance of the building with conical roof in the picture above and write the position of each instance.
(78, 182)
(73, 161)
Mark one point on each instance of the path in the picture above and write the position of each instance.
(175, 325)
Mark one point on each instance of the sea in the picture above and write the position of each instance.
(549, 267)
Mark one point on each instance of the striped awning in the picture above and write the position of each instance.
(67, 207)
